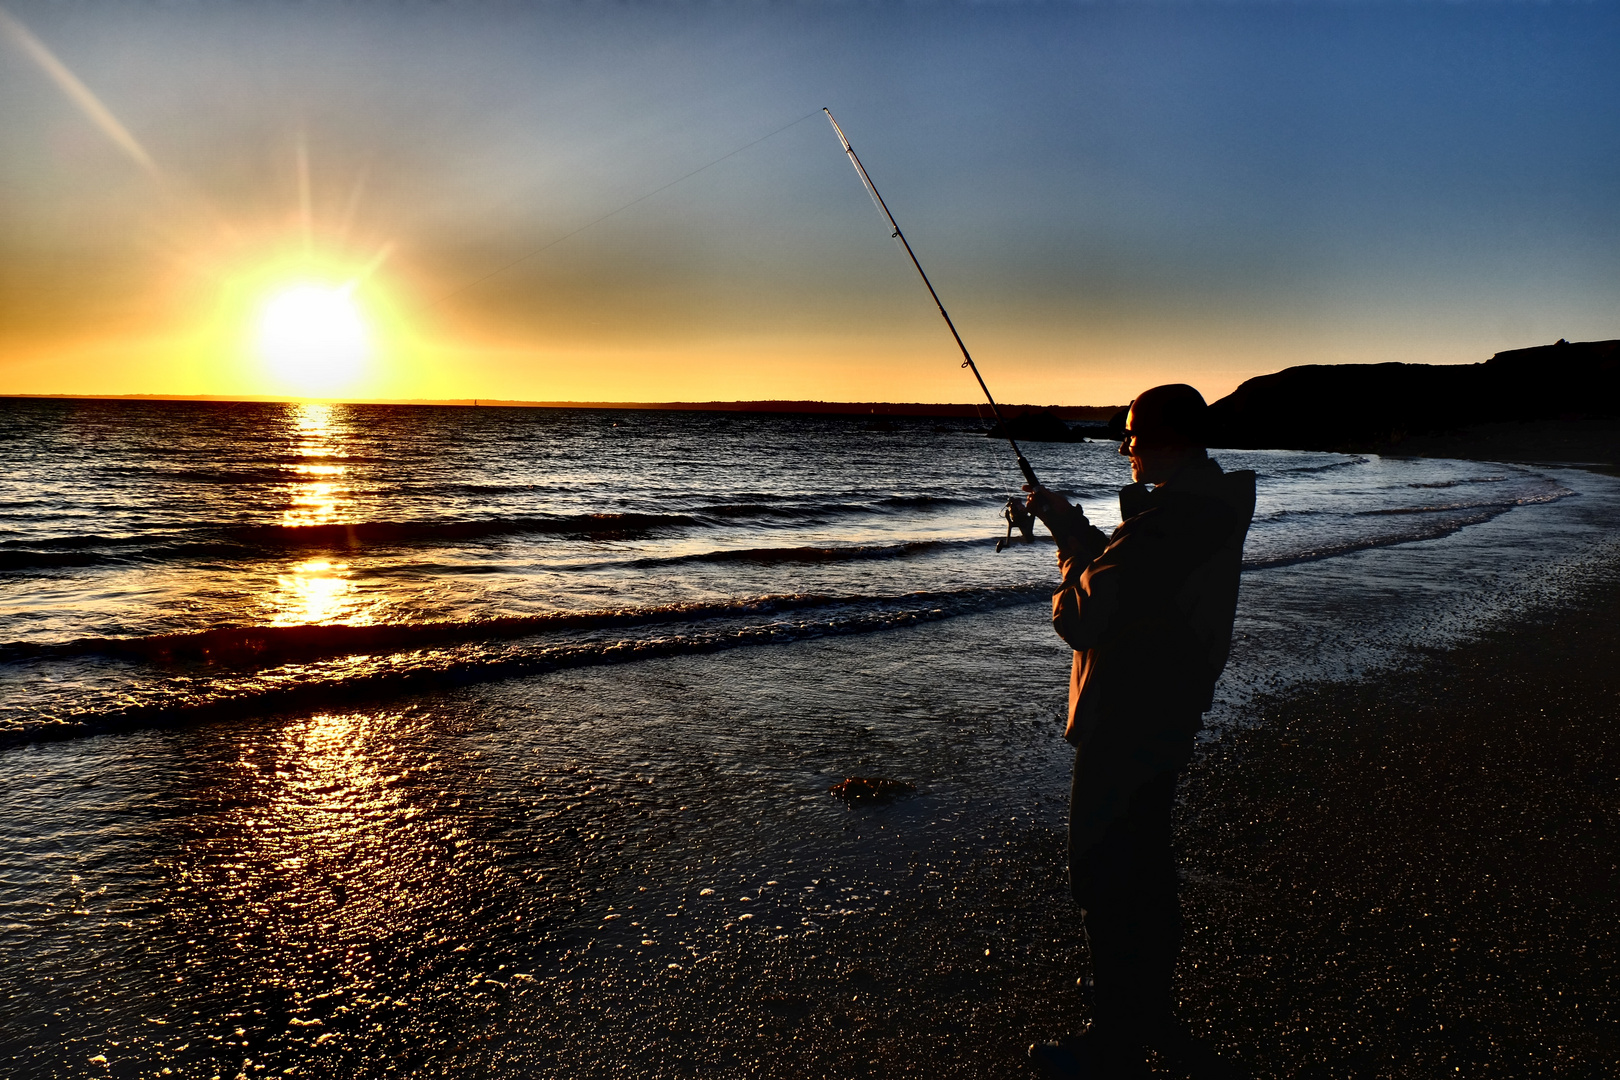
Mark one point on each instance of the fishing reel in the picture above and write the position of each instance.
(1017, 517)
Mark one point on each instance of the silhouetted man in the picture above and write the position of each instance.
(1148, 612)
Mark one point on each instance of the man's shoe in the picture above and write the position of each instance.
(1186, 1055)
(1088, 1057)
(1065, 1059)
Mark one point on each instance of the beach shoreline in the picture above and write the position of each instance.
(1588, 443)
(1408, 874)
(638, 867)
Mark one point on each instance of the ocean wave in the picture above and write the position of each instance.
(250, 646)
(1426, 523)
(249, 541)
(472, 488)
(801, 512)
(468, 653)
(917, 502)
(1349, 464)
(220, 540)
(1435, 530)
(367, 533)
(1500, 505)
(45, 560)
(1295, 512)
(1464, 480)
(340, 458)
(853, 505)
(831, 553)
(248, 469)
(264, 475)
(73, 542)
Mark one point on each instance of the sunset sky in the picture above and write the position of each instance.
(323, 199)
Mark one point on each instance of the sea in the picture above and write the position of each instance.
(362, 740)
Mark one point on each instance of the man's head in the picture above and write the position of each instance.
(1164, 429)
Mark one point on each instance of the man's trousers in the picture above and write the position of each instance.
(1125, 884)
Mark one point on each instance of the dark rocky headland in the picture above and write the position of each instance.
(1557, 402)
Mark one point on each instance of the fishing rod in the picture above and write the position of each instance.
(1015, 513)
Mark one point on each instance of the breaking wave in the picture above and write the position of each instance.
(248, 541)
(831, 553)
(1460, 482)
(236, 672)
(1347, 464)
(1497, 505)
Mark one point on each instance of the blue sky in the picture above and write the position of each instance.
(1106, 195)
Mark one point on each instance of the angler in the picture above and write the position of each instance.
(1148, 612)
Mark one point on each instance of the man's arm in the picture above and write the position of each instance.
(1082, 606)
(1085, 604)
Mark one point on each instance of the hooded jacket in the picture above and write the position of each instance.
(1148, 613)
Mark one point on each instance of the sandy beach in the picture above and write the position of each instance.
(1415, 875)
(1408, 876)
(1412, 875)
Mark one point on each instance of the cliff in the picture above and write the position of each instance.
(1382, 406)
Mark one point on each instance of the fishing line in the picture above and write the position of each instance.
(575, 232)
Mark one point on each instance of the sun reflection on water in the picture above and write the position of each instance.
(318, 911)
(316, 591)
(307, 860)
(312, 504)
(318, 495)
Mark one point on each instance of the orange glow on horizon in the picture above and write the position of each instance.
(223, 359)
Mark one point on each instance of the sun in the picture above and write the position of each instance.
(314, 336)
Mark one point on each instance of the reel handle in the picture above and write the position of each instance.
(1019, 517)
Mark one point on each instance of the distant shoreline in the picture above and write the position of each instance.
(828, 408)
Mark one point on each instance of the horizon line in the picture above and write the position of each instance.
(799, 405)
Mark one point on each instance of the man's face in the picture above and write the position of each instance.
(1149, 464)
(1132, 447)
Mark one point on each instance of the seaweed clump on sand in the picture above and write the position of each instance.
(857, 790)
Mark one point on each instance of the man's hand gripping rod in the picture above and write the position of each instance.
(967, 360)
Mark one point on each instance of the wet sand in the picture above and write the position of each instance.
(1419, 875)
(1409, 876)
(1415, 875)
